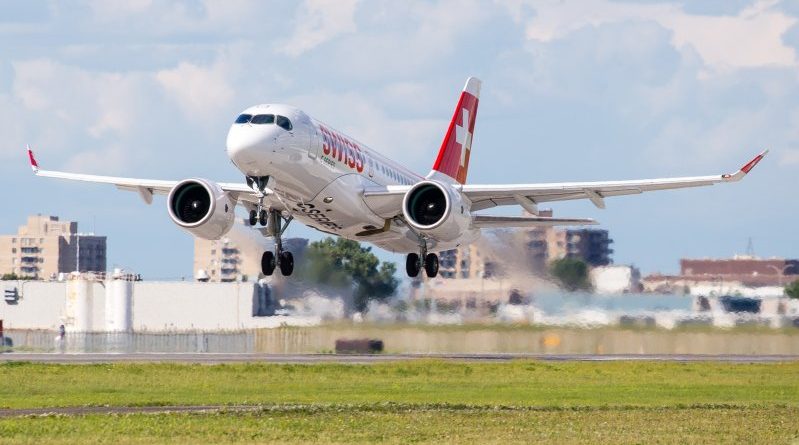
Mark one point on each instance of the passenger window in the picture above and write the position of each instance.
(263, 119)
(243, 118)
(283, 122)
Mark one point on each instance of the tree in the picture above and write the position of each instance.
(15, 277)
(344, 263)
(792, 290)
(572, 273)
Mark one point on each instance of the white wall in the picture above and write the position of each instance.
(157, 306)
(613, 279)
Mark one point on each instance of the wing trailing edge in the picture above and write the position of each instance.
(489, 221)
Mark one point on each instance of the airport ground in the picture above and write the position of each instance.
(403, 401)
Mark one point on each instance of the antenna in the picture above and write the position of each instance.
(750, 248)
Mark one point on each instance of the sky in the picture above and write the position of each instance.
(572, 90)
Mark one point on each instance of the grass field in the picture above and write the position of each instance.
(415, 401)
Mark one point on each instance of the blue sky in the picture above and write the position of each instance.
(586, 90)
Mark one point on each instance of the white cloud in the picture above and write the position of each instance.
(409, 140)
(319, 21)
(110, 158)
(752, 38)
(789, 157)
(199, 91)
(682, 141)
(99, 102)
(170, 17)
(118, 10)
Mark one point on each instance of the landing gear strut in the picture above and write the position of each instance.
(415, 262)
(280, 258)
(276, 224)
(259, 213)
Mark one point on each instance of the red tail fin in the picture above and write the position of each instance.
(453, 156)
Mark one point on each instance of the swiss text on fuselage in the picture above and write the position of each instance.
(345, 151)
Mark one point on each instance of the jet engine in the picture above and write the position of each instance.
(202, 208)
(437, 210)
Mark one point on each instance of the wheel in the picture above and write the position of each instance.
(253, 217)
(412, 265)
(268, 263)
(286, 263)
(431, 265)
(262, 218)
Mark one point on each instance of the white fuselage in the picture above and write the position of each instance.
(319, 174)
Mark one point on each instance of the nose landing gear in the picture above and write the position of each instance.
(276, 224)
(258, 214)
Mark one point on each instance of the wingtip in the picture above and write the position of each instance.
(743, 171)
(751, 164)
(32, 159)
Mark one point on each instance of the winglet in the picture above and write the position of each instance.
(34, 164)
(746, 168)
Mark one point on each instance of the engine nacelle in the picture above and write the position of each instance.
(202, 208)
(437, 210)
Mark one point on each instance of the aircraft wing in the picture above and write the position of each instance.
(529, 195)
(387, 201)
(145, 187)
(495, 222)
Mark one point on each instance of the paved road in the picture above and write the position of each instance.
(214, 358)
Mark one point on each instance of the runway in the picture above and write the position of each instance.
(218, 358)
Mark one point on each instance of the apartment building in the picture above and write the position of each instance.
(47, 246)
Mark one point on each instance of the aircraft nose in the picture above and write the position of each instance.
(243, 144)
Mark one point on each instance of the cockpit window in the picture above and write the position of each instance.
(243, 118)
(263, 119)
(284, 123)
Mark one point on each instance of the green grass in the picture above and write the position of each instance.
(420, 424)
(412, 401)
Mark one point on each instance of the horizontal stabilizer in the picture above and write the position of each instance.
(488, 221)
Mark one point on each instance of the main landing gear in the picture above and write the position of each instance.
(276, 224)
(415, 262)
(279, 258)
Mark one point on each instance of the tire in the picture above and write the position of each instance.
(253, 217)
(268, 263)
(286, 263)
(431, 265)
(262, 218)
(412, 265)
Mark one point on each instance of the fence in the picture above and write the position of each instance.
(421, 340)
(130, 342)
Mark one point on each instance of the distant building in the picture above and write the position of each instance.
(616, 279)
(46, 246)
(726, 276)
(525, 250)
(237, 256)
(589, 245)
(463, 262)
(745, 268)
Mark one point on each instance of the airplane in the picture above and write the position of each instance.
(296, 167)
